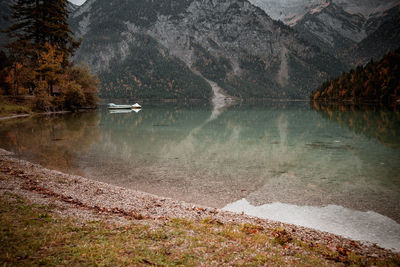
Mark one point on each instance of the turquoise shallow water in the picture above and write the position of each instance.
(247, 156)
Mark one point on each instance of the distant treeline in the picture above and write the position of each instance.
(377, 82)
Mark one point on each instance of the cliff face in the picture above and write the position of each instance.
(340, 30)
(332, 29)
(343, 28)
(232, 43)
(290, 11)
(384, 37)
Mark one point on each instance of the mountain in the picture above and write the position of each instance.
(385, 38)
(292, 11)
(332, 29)
(171, 49)
(71, 7)
(5, 22)
(341, 27)
(366, 8)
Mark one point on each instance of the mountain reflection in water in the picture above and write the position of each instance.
(265, 153)
(381, 123)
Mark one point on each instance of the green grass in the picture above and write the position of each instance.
(8, 108)
(33, 235)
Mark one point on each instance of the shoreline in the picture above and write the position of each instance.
(38, 183)
(16, 116)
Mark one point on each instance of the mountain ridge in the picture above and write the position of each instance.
(342, 27)
(232, 43)
(291, 11)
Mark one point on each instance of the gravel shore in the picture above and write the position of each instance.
(87, 199)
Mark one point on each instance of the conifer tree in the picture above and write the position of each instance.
(38, 22)
(40, 51)
(57, 31)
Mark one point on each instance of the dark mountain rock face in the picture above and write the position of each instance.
(145, 48)
(332, 29)
(384, 38)
(72, 7)
(353, 33)
(5, 21)
(289, 11)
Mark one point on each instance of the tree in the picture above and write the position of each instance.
(5, 64)
(88, 82)
(27, 32)
(19, 77)
(41, 49)
(50, 66)
(376, 82)
(38, 22)
(57, 31)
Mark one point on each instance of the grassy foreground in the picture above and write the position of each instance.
(10, 107)
(33, 235)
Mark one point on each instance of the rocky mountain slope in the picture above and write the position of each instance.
(143, 48)
(366, 8)
(339, 27)
(332, 29)
(72, 7)
(384, 39)
(289, 11)
(5, 22)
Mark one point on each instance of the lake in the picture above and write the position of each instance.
(332, 168)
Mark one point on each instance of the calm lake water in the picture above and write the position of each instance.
(336, 169)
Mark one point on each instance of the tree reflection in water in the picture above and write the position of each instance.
(381, 123)
(53, 140)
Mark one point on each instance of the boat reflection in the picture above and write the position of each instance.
(123, 111)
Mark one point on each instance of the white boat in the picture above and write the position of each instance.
(136, 106)
(114, 106)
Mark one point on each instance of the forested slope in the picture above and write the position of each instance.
(377, 82)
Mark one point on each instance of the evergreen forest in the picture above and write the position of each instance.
(376, 82)
(38, 66)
